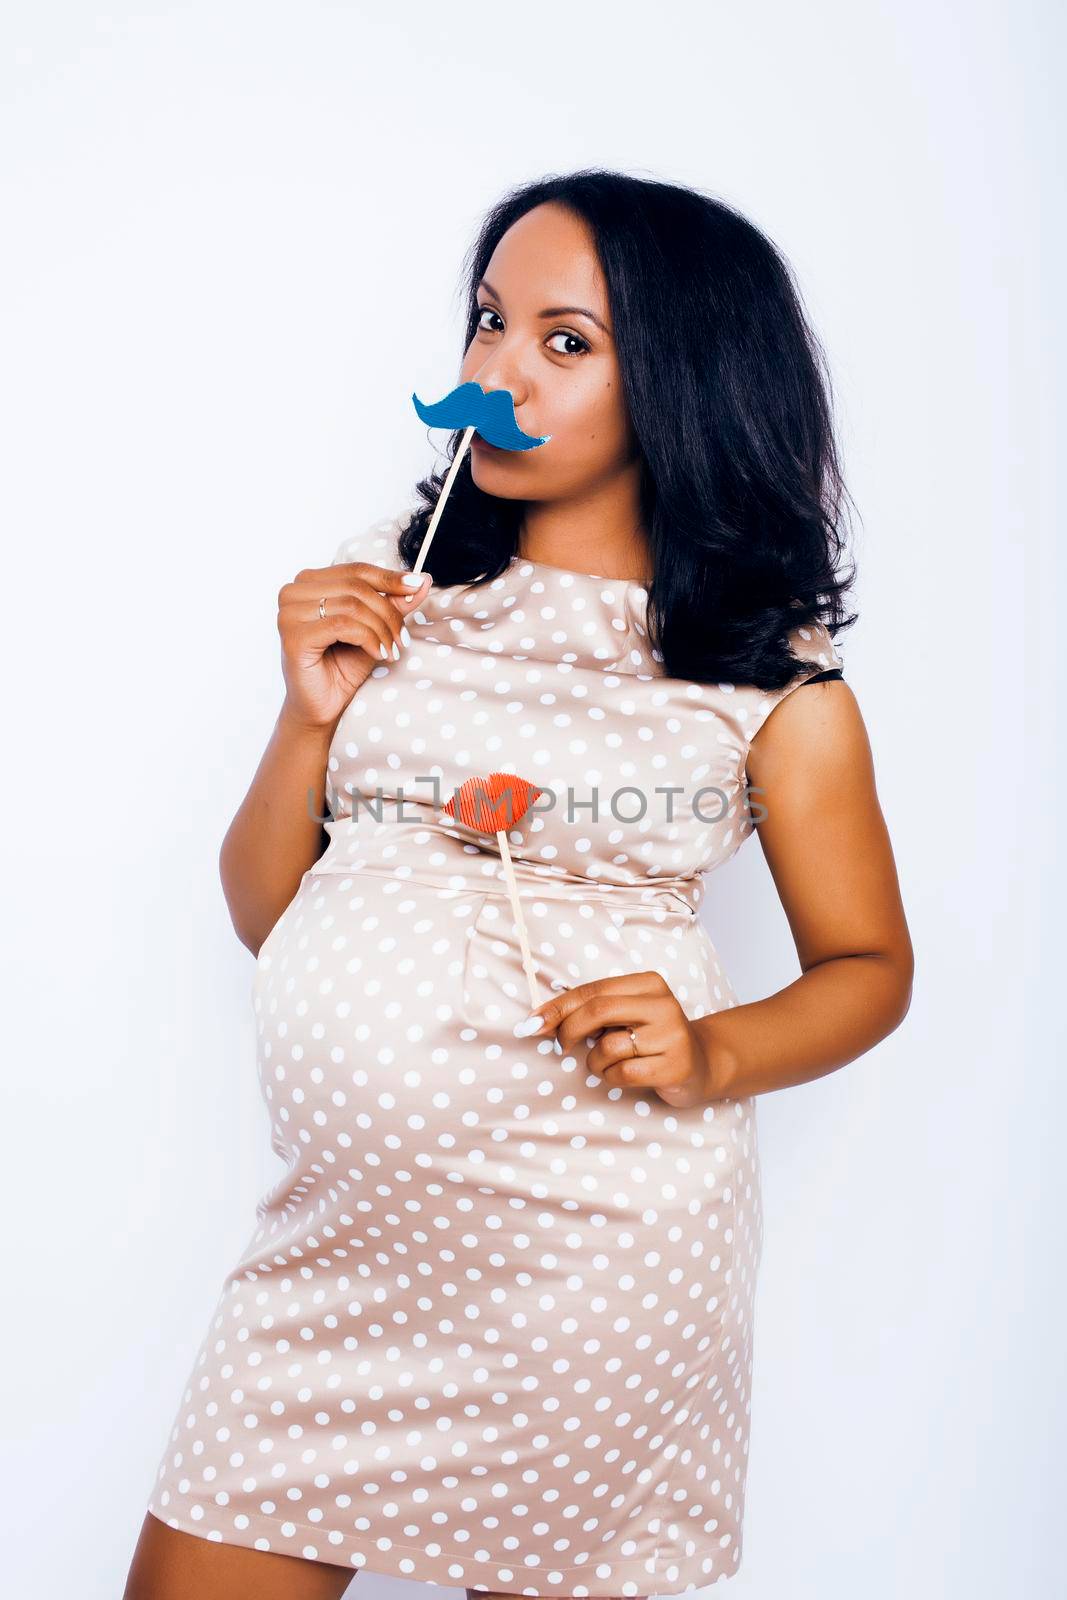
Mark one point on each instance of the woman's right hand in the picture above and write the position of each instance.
(326, 659)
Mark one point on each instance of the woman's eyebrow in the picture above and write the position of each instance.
(553, 311)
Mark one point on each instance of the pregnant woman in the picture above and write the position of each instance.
(493, 1326)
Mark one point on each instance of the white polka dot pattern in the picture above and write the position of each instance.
(493, 1326)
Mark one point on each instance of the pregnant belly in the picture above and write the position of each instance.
(387, 1059)
(360, 986)
(370, 972)
(400, 1096)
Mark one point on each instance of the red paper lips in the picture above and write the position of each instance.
(488, 804)
(493, 805)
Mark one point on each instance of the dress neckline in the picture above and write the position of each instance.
(571, 572)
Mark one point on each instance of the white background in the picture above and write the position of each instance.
(234, 235)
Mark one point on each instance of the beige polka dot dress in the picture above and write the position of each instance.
(493, 1325)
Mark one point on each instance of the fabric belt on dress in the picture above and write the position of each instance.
(398, 849)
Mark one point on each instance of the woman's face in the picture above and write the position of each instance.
(561, 370)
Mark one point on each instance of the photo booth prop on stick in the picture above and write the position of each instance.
(493, 805)
(490, 414)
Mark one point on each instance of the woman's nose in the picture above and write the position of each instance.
(495, 375)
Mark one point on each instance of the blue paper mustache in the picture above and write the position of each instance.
(492, 415)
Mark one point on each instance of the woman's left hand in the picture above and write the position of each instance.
(671, 1055)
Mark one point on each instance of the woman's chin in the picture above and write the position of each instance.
(493, 472)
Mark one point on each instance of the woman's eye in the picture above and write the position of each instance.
(560, 333)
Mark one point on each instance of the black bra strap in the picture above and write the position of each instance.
(831, 672)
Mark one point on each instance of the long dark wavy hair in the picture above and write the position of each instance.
(742, 499)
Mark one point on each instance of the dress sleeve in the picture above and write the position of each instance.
(376, 543)
(820, 659)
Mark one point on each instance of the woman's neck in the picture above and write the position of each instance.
(584, 538)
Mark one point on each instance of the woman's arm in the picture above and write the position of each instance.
(336, 623)
(276, 835)
(826, 843)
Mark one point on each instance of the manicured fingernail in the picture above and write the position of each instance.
(528, 1025)
(412, 579)
(396, 652)
(385, 653)
(405, 635)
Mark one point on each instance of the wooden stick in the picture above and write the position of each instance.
(442, 497)
(513, 890)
